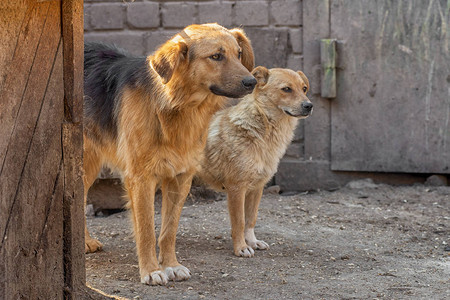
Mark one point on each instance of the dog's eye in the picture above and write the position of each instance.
(239, 54)
(305, 89)
(217, 57)
(286, 89)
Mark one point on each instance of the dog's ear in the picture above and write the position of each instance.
(167, 58)
(305, 79)
(247, 57)
(261, 74)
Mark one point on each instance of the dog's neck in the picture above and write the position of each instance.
(262, 119)
(195, 115)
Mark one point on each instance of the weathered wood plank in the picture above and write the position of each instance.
(72, 141)
(31, 186)
(18, 71)
(73, 59)
(392, 112)
(34, 237)
(29, 109)
(12, 14)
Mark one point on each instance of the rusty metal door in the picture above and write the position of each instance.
(392, 109)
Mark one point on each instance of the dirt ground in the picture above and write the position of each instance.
(364, 241)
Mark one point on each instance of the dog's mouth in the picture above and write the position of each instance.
(302, 114)
(234, 94)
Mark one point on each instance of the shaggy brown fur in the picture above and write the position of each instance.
(149, 117)
(246, 142)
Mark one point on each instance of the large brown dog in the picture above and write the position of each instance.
(245, 144)
(149, 117)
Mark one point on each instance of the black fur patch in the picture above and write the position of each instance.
(107, 71)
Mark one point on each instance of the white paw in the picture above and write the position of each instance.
(259, 245)
(155, 278)
(177, 273)
(246, 252)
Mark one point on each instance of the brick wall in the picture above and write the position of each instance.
(274, 27)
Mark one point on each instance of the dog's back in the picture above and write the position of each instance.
(108, 70)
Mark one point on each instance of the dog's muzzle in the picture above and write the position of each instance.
(248, 83)
(306, 109)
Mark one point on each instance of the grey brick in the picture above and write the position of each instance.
(87, 17)
(287, 12)
(296, 38)
(178, 15)
(295, 62)
(143, 14)
(298, 132)
(294, 150)
(298, 175)
(154, 39)
(133, 42)
(270, 46)
(216, 12)
(436, 180)
(250, 13)
(107, 16)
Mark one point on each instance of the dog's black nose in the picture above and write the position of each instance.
(249, 82)
(307, 105)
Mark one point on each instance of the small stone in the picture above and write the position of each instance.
(436, 180)
(362, 184)
(273, 190)
(90, 212)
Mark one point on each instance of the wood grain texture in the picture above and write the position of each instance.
(31, 185)
(72, 143)
(41, 190)
(17, 73)
(392, 111)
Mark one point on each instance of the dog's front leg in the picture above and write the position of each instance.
(252, 200)
(141, 192)
(174, 193)
(236, 199)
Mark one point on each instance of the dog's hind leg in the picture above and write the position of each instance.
(174, 193)
(252, 200)
(141, 192)
(92, 165)
(236, 201)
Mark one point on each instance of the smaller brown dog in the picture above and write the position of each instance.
(245, 144)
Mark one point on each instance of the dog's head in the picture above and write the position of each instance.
(210, 58)
(284, 89)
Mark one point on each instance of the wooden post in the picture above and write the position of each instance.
(41, 144)
(72, 143)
